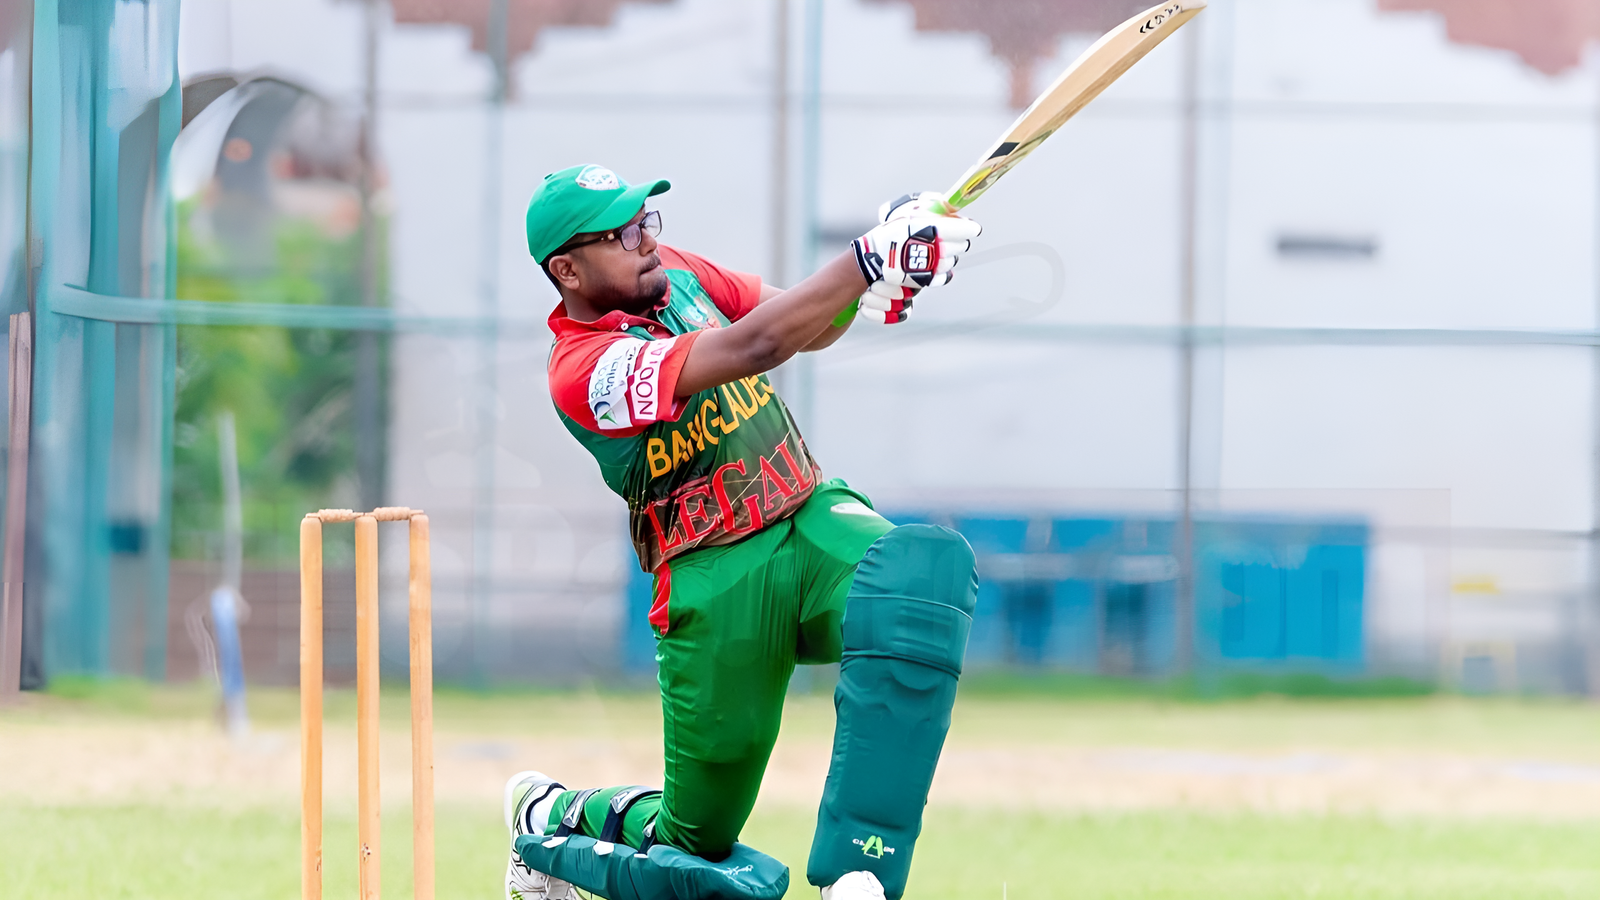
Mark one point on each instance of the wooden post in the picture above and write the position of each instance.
(311, 708)
(367, 704)
(21, 390)
(421, 628)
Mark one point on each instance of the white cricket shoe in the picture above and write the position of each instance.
(529, 796)
(854, 886)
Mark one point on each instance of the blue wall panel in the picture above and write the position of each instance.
(1098, 593)
(1281, 593)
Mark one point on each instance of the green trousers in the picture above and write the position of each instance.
(739, 619)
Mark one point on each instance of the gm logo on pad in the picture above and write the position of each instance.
(873, 847)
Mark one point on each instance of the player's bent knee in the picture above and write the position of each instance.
(905, 635)
(912, 599)
(618, 872)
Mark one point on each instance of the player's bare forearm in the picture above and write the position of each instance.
(828, 336)
(797, 319)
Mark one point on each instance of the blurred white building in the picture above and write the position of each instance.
(1386, 242)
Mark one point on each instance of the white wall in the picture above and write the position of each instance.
(1474, 174)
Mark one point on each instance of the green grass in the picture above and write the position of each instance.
(197, 847)
(1211, 689)
(175, 853)
(993, 710)
(136, 695)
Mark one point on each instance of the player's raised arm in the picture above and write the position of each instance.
(775, 330)
(829, 335)
(911, 249)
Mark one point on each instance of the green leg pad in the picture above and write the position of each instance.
(617, 872)
(906, 623)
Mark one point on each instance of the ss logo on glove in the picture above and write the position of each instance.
(920, 256)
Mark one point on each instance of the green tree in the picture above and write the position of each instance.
(290, 391)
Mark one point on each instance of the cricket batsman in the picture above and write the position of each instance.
(760, 562)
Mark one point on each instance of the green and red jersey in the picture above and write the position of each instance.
(697, 471)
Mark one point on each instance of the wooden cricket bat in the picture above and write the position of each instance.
(1083, 81)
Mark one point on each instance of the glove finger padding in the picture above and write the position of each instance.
(954, 228)
(920, 203)
(878, 317)
(886, 305)
(880, 294)
(883, 304)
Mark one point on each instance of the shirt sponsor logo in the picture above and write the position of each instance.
(608, 384)
(743, 400)
(728, 506)
(646, 392)
(597, 178)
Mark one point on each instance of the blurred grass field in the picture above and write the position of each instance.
(1060, 792)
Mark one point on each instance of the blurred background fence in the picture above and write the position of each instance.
(1281, 358)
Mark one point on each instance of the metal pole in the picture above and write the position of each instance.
(810, 175)
(780, 147)
(1184, 617)
(368, 399)
(21, 391)
(783, 378)
(1589, 630)
(487, 386)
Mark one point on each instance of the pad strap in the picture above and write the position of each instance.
(573, 819)
(621, 802)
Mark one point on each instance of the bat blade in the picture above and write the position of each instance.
(1093, 72)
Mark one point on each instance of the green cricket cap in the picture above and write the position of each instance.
(582, 199)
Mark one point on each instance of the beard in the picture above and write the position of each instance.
(640, 297)
(654, 288)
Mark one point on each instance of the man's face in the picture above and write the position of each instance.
(607, 277)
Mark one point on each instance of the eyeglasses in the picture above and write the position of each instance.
(630, 235)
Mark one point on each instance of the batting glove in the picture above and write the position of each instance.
(911, 249)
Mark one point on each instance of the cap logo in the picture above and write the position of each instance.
(598, 178)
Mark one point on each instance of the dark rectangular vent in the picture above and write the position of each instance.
(1327, 247)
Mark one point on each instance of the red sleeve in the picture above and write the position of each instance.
(617, 385)
(735, 293)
